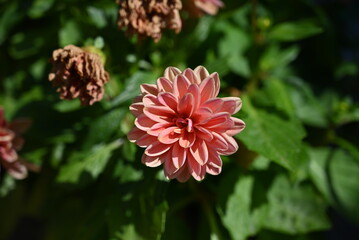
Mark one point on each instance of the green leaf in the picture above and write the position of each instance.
(277, 139)
(97, 16)
(69, 34)
(293, 31)
(39, 7)
(295, 209)
(93, 162)
(238, 217)
(132, 86)
(333, 173)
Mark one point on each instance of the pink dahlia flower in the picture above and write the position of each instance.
(10, 143)
(184, 125)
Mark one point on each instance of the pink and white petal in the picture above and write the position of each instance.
(138, 99)
(187, 139)
(168, 136)
(144, 123)
(217, 84)
(157, 128)
(186, 105)
(201, 72)
(171, 73)
(149, 89)
(214, 164)
(179, 155)
(199, 151)
(218, 120)
(136, 108)
(231, 105)
(206, 89)
(215, 104)
(169, 167)
(135, 134)
(194, 90)
(150, 100)
(218, 142)
(180, 86)
(164, 85)
(203, 133)
(238, 127)
(16, 169)
(232, 145)
(146, 140)
(202, 115)
(167, 99)
(194, 167)
(157, 149)
(151, 161)
(183, 175)
(191, 76)
(159, 113)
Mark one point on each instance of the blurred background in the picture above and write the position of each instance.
(296, 175)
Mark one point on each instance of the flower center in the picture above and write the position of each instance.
(184, 123)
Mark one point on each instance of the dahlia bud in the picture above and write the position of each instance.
(148, 18)
(78, 74)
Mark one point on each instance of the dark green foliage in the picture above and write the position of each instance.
(291, 62)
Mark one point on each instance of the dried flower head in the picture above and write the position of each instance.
(10, 143)
(78, 74)
(184, 125)
(148, 18)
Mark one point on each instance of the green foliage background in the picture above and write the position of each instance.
(298, 159)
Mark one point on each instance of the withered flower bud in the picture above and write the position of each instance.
(148, 18)
(197, 8)
(78, 74)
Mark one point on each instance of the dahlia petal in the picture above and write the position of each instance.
(199, 152)
(202, 115)
(214, 164)
(203, 133)
(169, 167)
(149, 88)
(136, 109)
(183, 175)
(145, 140)
(137, 99)
(201, 72)
(135, 134)
(231, 105)
(187, 139)
(179, 155)
(143, 122)
(151, 161)
(171, 73)
(194, 90)
(150, 100)
(218, 142)
(217, 85)
(157, 128)
(164, 85)
(232, 145)
(167, 99)
(180, 86)
(159, 113)
(194, 166)
(168, 136)
(16, 169)
(239, 125)
(185, 105)
(218, 120)
(207, 89)
(156, 149)
(214, 104)
(191, 76)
